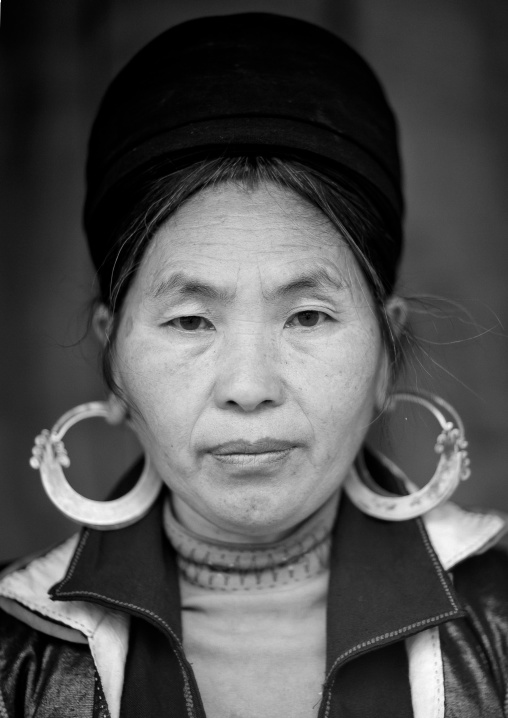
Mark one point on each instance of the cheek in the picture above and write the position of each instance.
(340, 407)
(164, 392)
(338, 384)
(340, 396)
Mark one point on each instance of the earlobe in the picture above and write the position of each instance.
(118, 409)
(397, 314)
(102, 323)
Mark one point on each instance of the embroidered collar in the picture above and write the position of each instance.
(220, 566)
(385, 577)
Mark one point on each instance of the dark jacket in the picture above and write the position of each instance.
(417, 621)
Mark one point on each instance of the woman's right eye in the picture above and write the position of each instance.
(191, 323)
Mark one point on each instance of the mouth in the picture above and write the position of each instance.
(252, 453)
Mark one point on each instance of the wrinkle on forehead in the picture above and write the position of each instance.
(265, 234)
(274, 206)
(188, 285)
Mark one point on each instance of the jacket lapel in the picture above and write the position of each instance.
(134, 571)
(386, 584)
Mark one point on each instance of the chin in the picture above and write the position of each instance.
(258, 516)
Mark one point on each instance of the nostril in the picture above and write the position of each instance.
(249, 405)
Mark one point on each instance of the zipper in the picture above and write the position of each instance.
(326, 700)
(193, 700)
(195, 708)
(324, 708)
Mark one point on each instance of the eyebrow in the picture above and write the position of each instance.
(317, 280)
(183, 286)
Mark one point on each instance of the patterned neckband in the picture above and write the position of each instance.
(222, 566)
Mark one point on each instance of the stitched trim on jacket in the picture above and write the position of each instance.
(435, 562)
(438, 675)
(187, 689)
(3, 709)
(43, 622)
(426, 676)
(401, 631)
(75, 558)
(48, 612)
(100, 702)
(328, 703)
(123, 604)
(391, 634)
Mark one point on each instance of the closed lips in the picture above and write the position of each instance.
(262, 446)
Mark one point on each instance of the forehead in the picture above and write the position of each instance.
(232, 230)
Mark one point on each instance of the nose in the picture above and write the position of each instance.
(248, 373)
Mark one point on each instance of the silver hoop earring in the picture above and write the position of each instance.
(452, 468)
(50, 456)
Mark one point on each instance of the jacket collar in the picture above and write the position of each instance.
(396, 570)
(132, 569)
(377, 573)
(388, 580)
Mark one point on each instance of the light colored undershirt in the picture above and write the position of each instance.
(254, 618)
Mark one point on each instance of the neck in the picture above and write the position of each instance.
(201, 527)
(214, 564)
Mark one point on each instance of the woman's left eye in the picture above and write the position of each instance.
(307, 319)
(191, 323)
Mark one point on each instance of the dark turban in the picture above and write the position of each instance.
(249, 84)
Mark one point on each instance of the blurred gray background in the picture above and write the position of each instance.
(445, 67)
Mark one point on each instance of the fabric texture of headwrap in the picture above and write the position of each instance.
(247, 84)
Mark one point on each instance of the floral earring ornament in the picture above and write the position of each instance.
(50, 457)
(452, 468)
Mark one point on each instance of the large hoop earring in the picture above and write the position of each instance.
(452, 468)
(50, 456)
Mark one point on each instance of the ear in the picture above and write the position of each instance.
(118, 409)
(102, 323)
(396, 311)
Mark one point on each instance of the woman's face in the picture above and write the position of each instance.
(250, 352)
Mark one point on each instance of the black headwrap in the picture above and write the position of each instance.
(244, 84)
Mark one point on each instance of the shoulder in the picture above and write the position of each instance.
(24, 587)
(482, 583)
(46, 644)
(475, 648)
(471, 546)
(457, 534)
(485, 573)
(33, 667)
(46, 666)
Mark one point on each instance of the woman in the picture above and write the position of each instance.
(244, 213)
